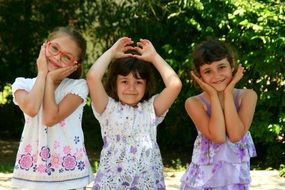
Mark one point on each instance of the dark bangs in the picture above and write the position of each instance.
(124, 66)
(210, 51)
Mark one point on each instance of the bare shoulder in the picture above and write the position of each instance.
(193, 102)
(248, 95)
(192, 99)
(248, 92)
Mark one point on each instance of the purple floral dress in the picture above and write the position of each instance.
(53, 157)
(219, 166)
(130, 158)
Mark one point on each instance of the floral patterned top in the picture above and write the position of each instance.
(219, 166)
(130, 158)
(52, 157)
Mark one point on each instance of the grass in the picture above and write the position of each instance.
(8, 155)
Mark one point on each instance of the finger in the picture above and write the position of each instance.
(140, 45)
(129, 48)
(138, 49)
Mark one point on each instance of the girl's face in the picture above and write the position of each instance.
(61, 52)
(218, 74)
(130, 90)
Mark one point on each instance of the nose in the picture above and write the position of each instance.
(131, 86)
(215, 74)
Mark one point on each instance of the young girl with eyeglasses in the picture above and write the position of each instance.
(129, 113)
(222, 115)
(51, 153)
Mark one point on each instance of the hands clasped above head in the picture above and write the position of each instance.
(125, 45)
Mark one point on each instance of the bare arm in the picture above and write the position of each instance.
(96, 72)
(30, 102)
(238, 123)
(56, 112)
(171, 81)
(212, 127)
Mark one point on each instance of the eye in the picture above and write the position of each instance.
(66, 58)
(140, 82)
(207, 71)
(124, 81)
(53, 49)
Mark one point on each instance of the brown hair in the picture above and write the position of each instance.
(124, 66)
(212, 50)
(79, 40)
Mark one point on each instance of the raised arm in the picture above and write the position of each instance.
(96, 72)
(171, 81)
(30, 102)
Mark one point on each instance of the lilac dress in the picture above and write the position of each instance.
(130, 158)
(219, 166)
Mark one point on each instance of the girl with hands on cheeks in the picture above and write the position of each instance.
(222, 115)
(51, 153)
(129, 112)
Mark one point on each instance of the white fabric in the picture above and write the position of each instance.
(130, 158)
(53, 157)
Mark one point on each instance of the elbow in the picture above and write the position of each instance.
(32, 112)
(90, 76)
(177, 85)
(48, 121)
(235, 138)
(219, 140)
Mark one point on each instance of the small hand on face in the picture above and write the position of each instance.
(236, 78)
(205, 87)
(57, 75)
(42, 61)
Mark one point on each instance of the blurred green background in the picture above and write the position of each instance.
(255, 29)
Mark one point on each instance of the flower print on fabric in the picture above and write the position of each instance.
(53, 156)
(26, 161)
(45, 153)
(69, 162)
(130, 158)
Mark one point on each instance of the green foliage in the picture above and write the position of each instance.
(254, 29)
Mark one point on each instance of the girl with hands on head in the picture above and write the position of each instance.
(222, 115)
(129, 112)
(51, 153)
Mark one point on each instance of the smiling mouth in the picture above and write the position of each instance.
(219, 81)
(53, 62)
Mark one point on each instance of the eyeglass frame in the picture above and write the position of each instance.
(60, 52)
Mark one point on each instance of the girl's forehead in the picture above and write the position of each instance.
(216, 63)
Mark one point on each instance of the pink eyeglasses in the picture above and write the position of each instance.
(54, 49)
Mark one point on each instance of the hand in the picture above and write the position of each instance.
(57, 75)
(205, 87)
(237, 77)
(42, 61)
(120, 48)
(146, 50)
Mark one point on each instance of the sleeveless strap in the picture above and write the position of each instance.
(236, 98)
(208, 105)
